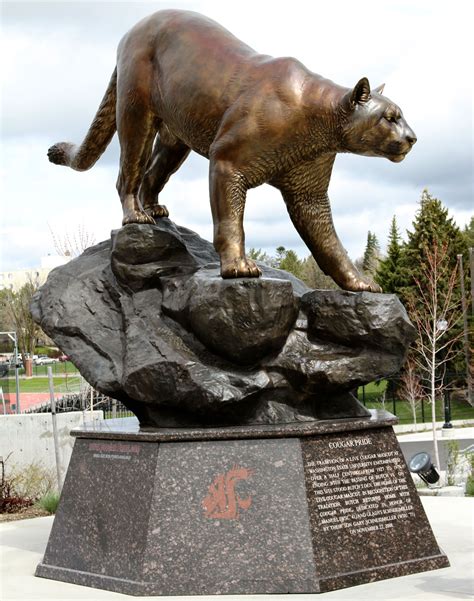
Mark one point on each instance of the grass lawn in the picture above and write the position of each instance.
(61, 384)
(402, 409)
(58, 368)
(66, 378)
(109, 415)
(404, 412)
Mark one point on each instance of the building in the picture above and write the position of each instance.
(14, 280)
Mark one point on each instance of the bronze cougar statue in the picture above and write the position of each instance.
(183, 82)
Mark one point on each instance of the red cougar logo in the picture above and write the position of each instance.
(222, 502)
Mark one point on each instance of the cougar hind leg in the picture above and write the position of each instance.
(228, 192)
(168, 155)
(136, 127)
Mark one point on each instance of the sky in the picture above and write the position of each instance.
(57, 58)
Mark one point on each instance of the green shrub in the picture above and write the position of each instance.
(49, 502)
(470, 486)
(51, 351)
(469, 490)
(11, 499)
(21, 486)
(33, 480)
(452, 461)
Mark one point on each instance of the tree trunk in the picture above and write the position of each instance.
(28, 363)
(433, 405)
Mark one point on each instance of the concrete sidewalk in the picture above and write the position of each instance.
(423, 441)
(460, 434)
(452, 519)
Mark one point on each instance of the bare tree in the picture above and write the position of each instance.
(18, 311)
(436, 313)
(6, 322)
(411, 389)
(72, 245)
(382, 399)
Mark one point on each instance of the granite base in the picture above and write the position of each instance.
(302, 508)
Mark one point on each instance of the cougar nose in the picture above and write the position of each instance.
(410, 138)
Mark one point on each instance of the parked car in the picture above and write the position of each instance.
(45, 360)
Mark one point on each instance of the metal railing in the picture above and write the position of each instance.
(88, 401)
(73, 393)
(388, 394)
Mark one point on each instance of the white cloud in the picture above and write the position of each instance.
(38, 195)
(61, 54)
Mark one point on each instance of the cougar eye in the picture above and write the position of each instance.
(391, 118)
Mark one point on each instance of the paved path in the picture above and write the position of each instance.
(423, 441)
(22, 545)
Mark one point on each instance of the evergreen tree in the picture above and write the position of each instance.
(284, 259)
(468, 233)
(388, 271)
(257, 254)
(432, 228)
(289, 261)
(432, 224)
(371, 255)
(280, 255)
(314, 277)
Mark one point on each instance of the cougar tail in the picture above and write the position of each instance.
(98, 137)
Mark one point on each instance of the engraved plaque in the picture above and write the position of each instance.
(364, 508)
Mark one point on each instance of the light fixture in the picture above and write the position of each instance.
(422, 465)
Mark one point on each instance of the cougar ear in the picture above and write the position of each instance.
(361, 92)
(379, 89)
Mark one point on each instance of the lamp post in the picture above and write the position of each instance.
(13, 338)
(447, 410)
(465, 326)
(442, 326)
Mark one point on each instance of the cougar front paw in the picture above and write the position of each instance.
(359, 283)
(137, 217)
(158, 211)
(241, 267)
